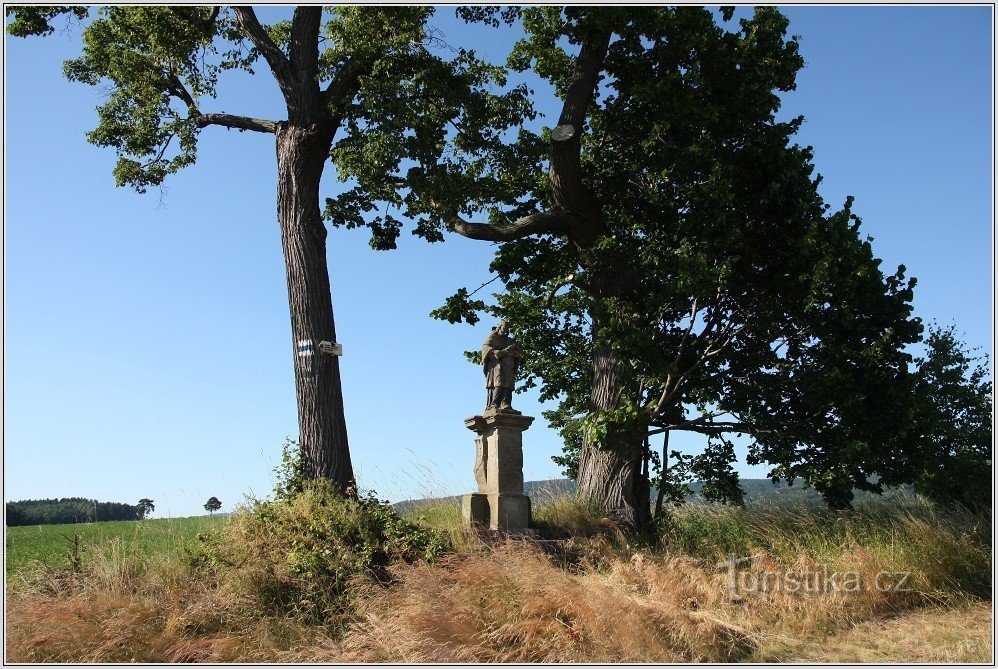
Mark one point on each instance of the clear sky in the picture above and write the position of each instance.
(147, 339)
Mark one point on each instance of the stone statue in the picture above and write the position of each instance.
(500, 360)
(499, 505)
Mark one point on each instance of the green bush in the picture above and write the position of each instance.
(309, 555)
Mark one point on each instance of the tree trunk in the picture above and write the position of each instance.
(660, 497)
(610, 470)
(301, 154)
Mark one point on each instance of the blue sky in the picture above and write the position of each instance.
(147, 338)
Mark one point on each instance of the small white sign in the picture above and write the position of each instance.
(563, 132)
(330, 348)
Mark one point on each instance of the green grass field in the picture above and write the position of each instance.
(51, 544)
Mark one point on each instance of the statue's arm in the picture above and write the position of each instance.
(488, 356)
(514, 350)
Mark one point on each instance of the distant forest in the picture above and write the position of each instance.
(68, 510)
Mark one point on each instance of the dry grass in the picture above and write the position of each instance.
(118, 608)
(963, 635)
(511, 604)
(106, 628)
(594, 595)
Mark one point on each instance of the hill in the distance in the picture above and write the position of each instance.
(756, 490)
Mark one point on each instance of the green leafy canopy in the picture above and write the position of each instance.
(736, 300)
(161, 67)
(952, 430)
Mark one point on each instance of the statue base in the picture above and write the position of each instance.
(508, 512)
(499, 503)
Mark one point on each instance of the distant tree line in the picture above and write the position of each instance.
(69, 510)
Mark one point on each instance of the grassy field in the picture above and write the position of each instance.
(294, 582)
(51, 545)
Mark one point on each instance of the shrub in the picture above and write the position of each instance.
(309, 555)
(290, 473)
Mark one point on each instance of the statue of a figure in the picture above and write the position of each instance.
(500, 359)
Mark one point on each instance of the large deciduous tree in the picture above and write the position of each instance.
(342, 72)
(668, 260)
(952, 431)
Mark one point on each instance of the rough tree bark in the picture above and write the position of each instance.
(303, 143)
(660, 497)
(610, 468)
(301, 155)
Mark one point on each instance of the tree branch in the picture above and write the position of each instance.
(577, 213)
(178, 89)
(713, 347)
(237, 122)
(305, 42)
(668, 390)
(708, 428)
(279, 63)
(346, 83)
(553, 221)
(208, 22)
(495, 278)
(161, 152)
(558, 285)
(715, 428)
(566, 140)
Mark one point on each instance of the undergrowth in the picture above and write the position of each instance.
(280, 572)
(313, 576)
(947, 551)
(308, 556)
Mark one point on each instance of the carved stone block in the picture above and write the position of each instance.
(499, 471)
(475, 509)
(509, 512)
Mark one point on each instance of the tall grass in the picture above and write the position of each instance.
(264, 589)
(444, 515)
(947, 551)
(626, 599)
(511, 605)
(278, 574)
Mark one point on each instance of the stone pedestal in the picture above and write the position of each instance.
(502, 511)
(499, 503)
